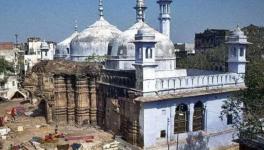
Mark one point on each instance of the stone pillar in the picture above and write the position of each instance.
(191, 111)
(82, 101)
(133, 132)
(60, 107)
(70, 101)
(133, 123)
(101, 106)
(93, 101)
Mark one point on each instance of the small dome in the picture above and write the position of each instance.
(145, 30)
(63, 47)
(238, 32)
(93, 40)
(237, 37)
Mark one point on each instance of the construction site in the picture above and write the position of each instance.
(55, 115)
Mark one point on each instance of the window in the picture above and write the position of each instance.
(162, 133)
(198, 117)
(46, 53)
(13, 83)
(241, 52)
(181, 119)
(234, 52)
(229, 119)
(148, 53)
(68, 51)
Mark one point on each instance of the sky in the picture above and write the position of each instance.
(55, 19)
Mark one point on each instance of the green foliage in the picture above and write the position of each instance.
(206, 60)
(95, 58)
(5, 66)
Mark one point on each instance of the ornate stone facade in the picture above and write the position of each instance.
(68, 89)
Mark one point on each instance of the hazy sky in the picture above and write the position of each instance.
(54, 19)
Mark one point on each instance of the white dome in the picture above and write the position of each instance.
(123, 48)
(93, 40)
(63, 47)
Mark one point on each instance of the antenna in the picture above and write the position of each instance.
(16, 35)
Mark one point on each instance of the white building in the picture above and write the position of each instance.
(173, 102)
(9, 87)
(168, 103)
(185, 48)
(38, 50)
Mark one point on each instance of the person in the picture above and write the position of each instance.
(56, 129)
(13, 113)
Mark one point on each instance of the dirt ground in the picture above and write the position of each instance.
(37, 127)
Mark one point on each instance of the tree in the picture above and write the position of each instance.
(196, 142)
(207, 60)
(5, 66)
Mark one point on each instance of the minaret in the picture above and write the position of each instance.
(237, 44)
(140, 10)
(165, 18)
(76, 26)
(101, 9)
(145, 61)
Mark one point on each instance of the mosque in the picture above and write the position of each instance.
(141, 95)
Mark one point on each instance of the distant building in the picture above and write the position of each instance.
(8, 51)
(210, 38)
(9, 87)
(9, 80)
(37, 50)
(184, 49)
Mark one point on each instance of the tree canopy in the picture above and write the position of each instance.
(5, 66)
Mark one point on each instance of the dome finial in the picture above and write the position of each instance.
(101, 9)
(76, 26)
(140, 10)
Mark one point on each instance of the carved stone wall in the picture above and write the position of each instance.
(60, 99)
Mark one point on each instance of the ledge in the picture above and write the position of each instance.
(190, 93)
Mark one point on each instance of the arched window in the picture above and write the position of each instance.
(148, 53)
(198, 117)
(241, 52)
(181, 119)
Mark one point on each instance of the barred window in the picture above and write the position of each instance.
(181, 119)
(198, 117)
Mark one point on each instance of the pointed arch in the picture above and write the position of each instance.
(181, 119)
(198, 116)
